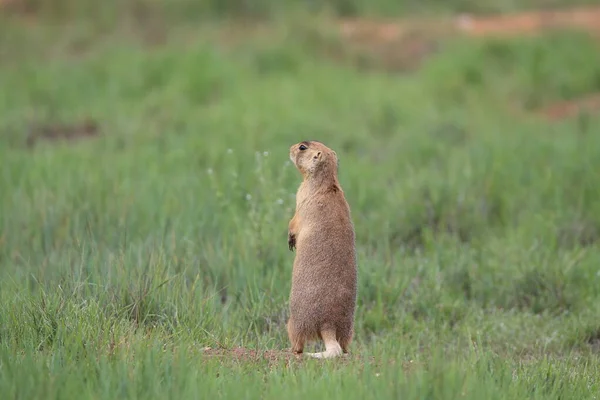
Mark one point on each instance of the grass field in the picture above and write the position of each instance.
(127, 252)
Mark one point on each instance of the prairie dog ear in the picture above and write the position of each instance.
(317, 155)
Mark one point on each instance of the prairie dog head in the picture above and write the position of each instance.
(312, 157)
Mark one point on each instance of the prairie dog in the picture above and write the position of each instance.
(324, 275)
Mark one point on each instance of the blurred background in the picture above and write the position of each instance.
(145, 186)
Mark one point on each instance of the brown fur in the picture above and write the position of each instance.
(324, 287)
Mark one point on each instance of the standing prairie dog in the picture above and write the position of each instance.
(323, 295)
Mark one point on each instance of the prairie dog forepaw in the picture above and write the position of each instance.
(291, 241)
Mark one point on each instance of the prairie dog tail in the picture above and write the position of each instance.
(332, 347)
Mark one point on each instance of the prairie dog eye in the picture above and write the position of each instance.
(302, 147)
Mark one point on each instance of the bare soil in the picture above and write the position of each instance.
(572, 108)
(244, 354)
(78, 130)
(531, 22)
(241, 354)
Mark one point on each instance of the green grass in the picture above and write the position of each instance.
(123, 255)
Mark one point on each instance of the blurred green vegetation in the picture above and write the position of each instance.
(125, 252)
(182, 10)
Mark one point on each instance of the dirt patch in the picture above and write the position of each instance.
(572, 108)
(286, 357)
(271, 356)
(59, 131)
(251, 355)
(531, 22)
